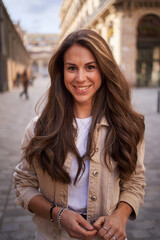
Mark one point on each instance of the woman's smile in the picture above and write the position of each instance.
(82, 89)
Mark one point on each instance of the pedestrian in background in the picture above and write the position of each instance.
(81, 171)
(25, 84)
(17, 79)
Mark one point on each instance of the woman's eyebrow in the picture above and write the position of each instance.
(91, 62)
(73, 64)
(68, 63)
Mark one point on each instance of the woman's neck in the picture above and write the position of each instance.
(82, 111)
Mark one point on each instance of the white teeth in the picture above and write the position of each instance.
(82, 88)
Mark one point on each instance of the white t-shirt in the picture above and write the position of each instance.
(77, 194)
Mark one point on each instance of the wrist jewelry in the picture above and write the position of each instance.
(59, 218)
(51, 210)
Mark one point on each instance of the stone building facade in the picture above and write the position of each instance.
(131, 28)
(14, 57)
(41, 48)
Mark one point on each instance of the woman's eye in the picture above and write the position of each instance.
(91, 67)
(72, 68)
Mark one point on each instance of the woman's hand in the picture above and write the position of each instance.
(76, 226)
(113, 227)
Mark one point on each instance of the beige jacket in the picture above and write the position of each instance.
(106, 189)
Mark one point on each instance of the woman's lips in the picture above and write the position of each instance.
(82, 88)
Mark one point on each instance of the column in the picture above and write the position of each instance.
(128, 48)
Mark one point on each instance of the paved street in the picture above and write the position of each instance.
(15, 113)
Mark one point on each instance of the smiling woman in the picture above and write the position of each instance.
(81, 171)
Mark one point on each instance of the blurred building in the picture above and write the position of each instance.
(14, 57)
(20, 31)
(131, 28)
(41, 48)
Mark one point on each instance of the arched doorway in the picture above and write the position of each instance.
(148, 46)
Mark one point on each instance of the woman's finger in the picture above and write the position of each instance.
(98, 223)
(85, 229)
(84, 223)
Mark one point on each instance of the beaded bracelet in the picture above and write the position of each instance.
(59, 218)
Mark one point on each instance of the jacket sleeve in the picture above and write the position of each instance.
(24, 176)
(132, 191)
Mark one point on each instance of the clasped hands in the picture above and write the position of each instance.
(107, 227)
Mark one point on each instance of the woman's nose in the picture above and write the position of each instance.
(81, 76)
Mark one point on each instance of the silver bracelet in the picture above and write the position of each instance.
(59, 218)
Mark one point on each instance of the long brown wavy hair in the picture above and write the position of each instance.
(55, 132)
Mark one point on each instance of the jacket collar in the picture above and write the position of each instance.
(102, 122)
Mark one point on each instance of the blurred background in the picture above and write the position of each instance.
(30, 31)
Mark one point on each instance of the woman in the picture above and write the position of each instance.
(82, 172)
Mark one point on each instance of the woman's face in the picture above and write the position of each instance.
(82, 76)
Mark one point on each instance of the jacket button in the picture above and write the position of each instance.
(93, 198)
(95, 173)
(96, 149)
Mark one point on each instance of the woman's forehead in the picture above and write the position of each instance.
(78, 52)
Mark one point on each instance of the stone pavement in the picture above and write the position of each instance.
(147, 225)
(15, 113)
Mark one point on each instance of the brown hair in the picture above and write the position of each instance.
(54, 131)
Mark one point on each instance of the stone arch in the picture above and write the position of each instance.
(139, 14)
(148, 50)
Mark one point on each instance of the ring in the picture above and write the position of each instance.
(105, 228)
(109, 234)
(113, 238)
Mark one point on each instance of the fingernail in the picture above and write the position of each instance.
(91, 228)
